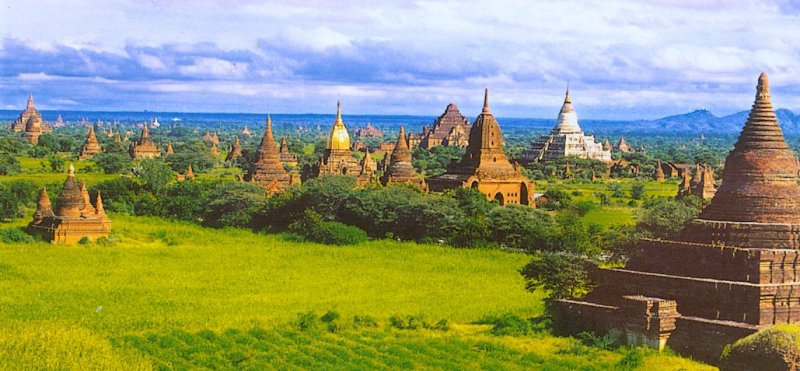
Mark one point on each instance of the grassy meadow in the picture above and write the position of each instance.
(166, 294)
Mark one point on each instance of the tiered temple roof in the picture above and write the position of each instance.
(30, 122)
(623, 146)
(75, 216)
(400, 169)
(730, 272)
(91, 146)
(144, 146)
(485, 166)
(337, 158)
(450, 129)
(566, 139)
(267, 169)
(169, 149)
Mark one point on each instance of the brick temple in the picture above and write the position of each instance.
(287, 158)
(337, 158)
(30, 123)
(451, 129)
(485, 166)
(144, 147)
(732, 271)
(235, 152)
(91, 146)
(75, 216)
(267, 169)
(400, 170)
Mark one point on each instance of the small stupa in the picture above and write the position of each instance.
(214, 148)
(267, 169)
(235, 152)
(658, 174)
(623, 146)
(287, 157)
(75, 217)
(169, 150)
(91, 146)
(400, 169)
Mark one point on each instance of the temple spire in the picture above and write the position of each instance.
(99, 205)
(30, 105)
(44, 207)
(339, 110)
(567, 98)
(402, 143)
(486, 101)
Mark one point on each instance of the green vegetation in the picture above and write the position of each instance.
(773, 348)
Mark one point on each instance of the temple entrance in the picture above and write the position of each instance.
(523, 194)
(474, 185)
(499, 198)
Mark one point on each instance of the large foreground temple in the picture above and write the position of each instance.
(485, 166)
(74, 218)
(732, 271)
(566, 139)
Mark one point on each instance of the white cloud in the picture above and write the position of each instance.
(214, 67)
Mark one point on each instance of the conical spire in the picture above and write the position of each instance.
(367, 165)
(70, 201)
(99, 205)
(338, 138)
(145, 133)
(402, 143)
(567, 122)
(759, 181)
(30, 104)
(486, 102)
(44, 207)
(284, 145)
(267, 166)
(268, 133)
(170, 150)
(87, 205)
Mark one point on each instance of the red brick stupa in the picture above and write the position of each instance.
(485, 166)
(30, 123)
(91, 146)
(400, 170)
(144, 146)
(732, 271)
(267, 169)
(75, 217)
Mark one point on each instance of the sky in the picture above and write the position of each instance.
(621, 59)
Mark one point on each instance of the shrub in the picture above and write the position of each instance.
(9, 165)
(85, 240)
(10, 206)
(409, 322)
(15, 235)
(314, 228)
(112, 162)
(364, 322)
(509, 325)
(308, 321)
(772, 348)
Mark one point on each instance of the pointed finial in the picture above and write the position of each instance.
(71, 170)
(99, 204)
(339, 110)
(486, 100)
(567, 98)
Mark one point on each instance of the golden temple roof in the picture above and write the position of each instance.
(339, 139)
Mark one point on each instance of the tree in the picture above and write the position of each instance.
(9, 165)
(155, 175)
(521, 227)
(637, 191)
(233, 204)
(56, 163)
(112, 162)
(564, 275)
(665, 218)
(10, 207)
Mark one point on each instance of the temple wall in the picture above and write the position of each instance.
(752, 235)
(707, 298)
(703, 339)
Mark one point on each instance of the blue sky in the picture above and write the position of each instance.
(621, 59)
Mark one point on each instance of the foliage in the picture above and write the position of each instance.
(665, 218)
(10, 205)
(434, 161)
(195, 153)
(233, 204)
(637, 191)
(9, 165)
(155, 175)
(564, 275)
(313, 228)
(56, 163)
(509, 325)
(521, 227)
(112, 162)
(15, 235)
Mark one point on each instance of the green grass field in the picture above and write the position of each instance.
(174, 295)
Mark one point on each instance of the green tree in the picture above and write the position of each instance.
(10, 206)
(637, 191)
(155, 175)
(665, 218)
(112, 162)
(9, 165)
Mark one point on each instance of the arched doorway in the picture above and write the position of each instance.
(499, 198)
(474, 185)
(523, 194)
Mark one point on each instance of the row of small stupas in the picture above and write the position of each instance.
(730, 272)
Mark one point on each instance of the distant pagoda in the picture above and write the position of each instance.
(369, 131)
(235, 152)
(287, 158)
(214, 149)
(732, 270)
(623, 146)
(451, 129)
(144, 146)
(75, 217)
(566, 139)
(207, 136)
(337, 158)
(400, 169)
(246, 131)
(267, 170)
(169, 150)
(485, 166)
(30, 123)
(91, 146)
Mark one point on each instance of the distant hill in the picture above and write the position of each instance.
(699, 121)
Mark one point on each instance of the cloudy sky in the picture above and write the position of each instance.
(621, 59)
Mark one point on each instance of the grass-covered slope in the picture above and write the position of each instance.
(165, 294)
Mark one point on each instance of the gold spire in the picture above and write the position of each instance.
(339, 139)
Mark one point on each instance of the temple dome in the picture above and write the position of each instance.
(339, 139)
(759, 182)
(567, 119)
